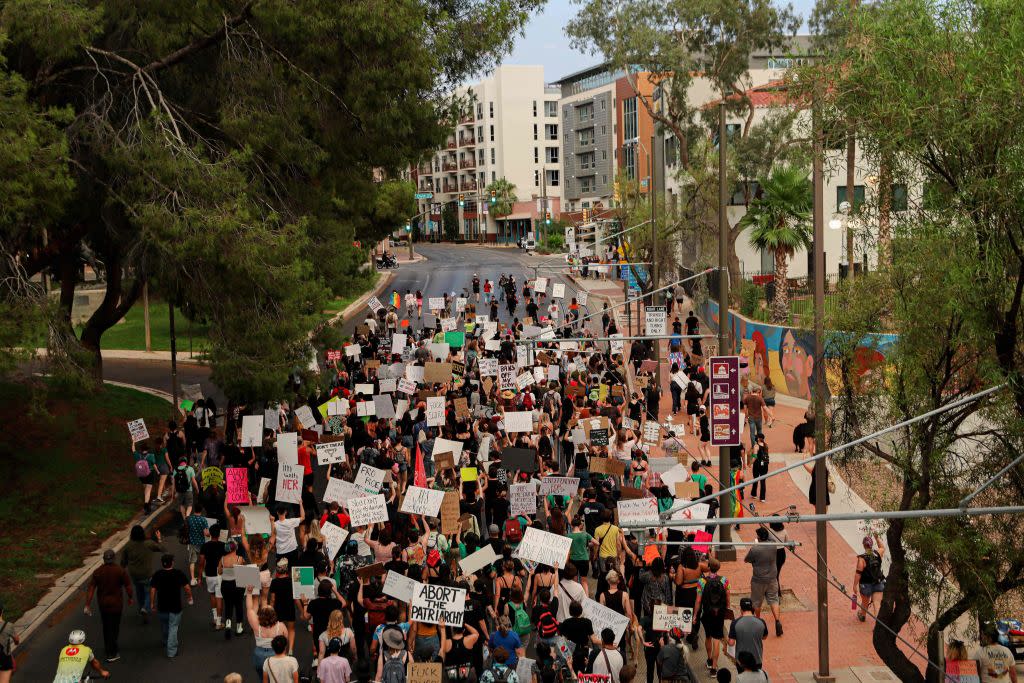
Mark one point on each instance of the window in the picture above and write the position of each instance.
(536, 155)
(738, 197)
(483, 178)
(550, 131)
(602, 105)
(629, 160)
(550, 108)
(492, 132)
(536, 178)
(490, 109)
(784, 62)
(604, 179)
(585, 137)
(535, 131)
(671, 150)
(493, 176)
(552, 178)
(585, 161)
(492, 156)
(535, 109)
(551, 155)
(731, 130)
(604, 155)
(898, 197)
(604, 130)
(629, 120)
(858, 196)
(585, 113)
(587, 184)
(480, 157)
(479, 134)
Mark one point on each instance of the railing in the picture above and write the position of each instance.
(449, 188)
(450, 166)
(467, 163)
(451, 144)
(467, 118)
(471, 185)
(467, 141)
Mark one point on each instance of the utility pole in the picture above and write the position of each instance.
(174, 354)
(145, 316)
(851, 157)
(820, 472)
(726, 552)
(544, 198)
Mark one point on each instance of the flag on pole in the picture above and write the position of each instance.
(420, 476)
(737, 496)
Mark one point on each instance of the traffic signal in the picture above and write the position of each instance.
(586, 215)
(408, 227)
(547, 218)
(462, 200)
(494, 196)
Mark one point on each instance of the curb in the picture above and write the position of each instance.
(70, 585)
(359, 303)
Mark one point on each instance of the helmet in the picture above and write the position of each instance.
(77, 637)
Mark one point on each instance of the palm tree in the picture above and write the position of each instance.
(779, 220)
(504, 194)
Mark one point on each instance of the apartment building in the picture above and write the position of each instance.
(510, 130)
(605, 131)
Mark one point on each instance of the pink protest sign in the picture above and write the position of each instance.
(702, 537)
(238, 485)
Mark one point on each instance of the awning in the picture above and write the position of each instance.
(515, 217)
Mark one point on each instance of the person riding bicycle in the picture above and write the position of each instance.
(75, 658)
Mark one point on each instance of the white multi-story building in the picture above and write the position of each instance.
(510, 131)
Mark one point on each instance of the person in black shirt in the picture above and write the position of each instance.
(531, 309)
(209, 559)
(591, 511)
(580, 631)
(165, 597)
(692, 323)
(318, 611)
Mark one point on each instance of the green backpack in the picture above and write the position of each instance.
(522, 624)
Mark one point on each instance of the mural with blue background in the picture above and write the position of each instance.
(786, 354)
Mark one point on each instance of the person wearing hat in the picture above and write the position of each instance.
(107, 584)
(393, 655)
(747, 632)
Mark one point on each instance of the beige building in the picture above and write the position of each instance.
(510, 130)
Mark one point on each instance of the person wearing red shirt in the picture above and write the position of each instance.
(307, 467)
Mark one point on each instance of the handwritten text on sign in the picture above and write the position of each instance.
(421, 501)
(289, 483)
(368, 510)
(544, 547)
(431, 602)
(238, 485)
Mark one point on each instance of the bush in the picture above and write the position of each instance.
(750, 298)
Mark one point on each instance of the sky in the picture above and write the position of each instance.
(545, 42)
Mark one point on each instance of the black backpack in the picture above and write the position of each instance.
(181, 481)
(714, 595)
(872, 568)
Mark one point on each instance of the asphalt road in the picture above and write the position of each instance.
(205, 655)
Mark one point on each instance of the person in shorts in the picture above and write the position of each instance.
(713, 607)
(195, 533)
(764, 581)
(184, 482)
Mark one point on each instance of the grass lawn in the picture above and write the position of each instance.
(131, 334)
(341, 303)
(68, 481)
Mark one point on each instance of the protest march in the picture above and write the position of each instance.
(453, 493)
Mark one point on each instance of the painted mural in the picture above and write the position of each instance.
(786, 354)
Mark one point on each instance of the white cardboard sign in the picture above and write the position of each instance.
(252, 431)
(431, 602)
(422, 501)
(543, 547)
(368, 510)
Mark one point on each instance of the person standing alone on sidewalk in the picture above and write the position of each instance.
(760, 468)
(764, 583)
(107, 583)
(755, 409)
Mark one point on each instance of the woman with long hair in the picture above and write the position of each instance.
(339, 626)
(229, 589)
(259, 551)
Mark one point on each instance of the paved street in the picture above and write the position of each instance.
(205, 655)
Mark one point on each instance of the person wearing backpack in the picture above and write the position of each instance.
(504, 638)
(519, 617)
(869, 575)
(514, 530)
(145, 470)
(502, 668)
(713, 605)
(543, 615)
(184, 485)
(393, 660)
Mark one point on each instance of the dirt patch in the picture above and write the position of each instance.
(67, 480)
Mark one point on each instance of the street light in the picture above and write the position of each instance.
(846, 220)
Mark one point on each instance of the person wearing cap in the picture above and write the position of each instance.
(747, 632)
(107, 583)
(281, 598)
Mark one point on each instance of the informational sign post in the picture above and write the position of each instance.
(655, 320)
(725, 401)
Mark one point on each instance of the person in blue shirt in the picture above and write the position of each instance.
(504, 637)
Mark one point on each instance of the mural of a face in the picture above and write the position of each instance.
(797, 362)
(760, 358)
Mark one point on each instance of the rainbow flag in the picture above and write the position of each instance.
(396, 300)
(737, 496)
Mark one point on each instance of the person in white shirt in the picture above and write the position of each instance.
(283, 533)
(995, 661)
(608, 660)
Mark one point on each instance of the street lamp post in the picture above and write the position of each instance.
(845, 221)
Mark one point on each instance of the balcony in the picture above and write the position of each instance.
(468, 163)
(424, 169)
(467, 185)
(451, 143)
(426, 187)
(467, 141)
(467, 118)
(450, 166)
(449, 187)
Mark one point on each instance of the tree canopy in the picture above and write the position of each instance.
(225, 153)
